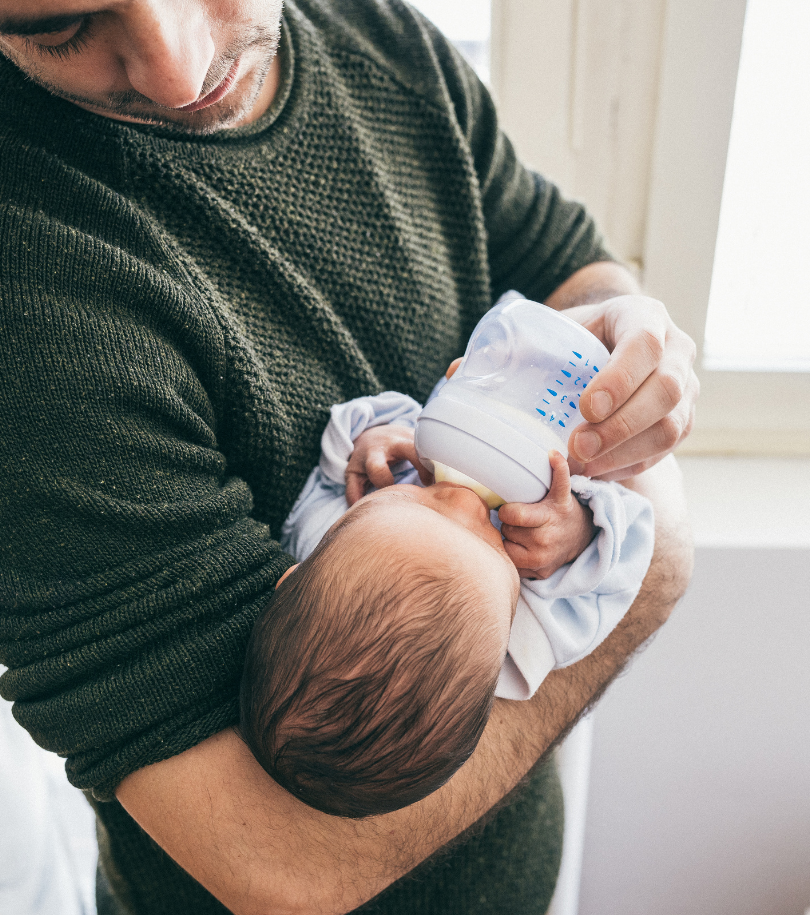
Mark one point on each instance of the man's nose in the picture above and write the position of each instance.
(169, 51)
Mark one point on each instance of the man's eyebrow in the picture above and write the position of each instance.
(43, 25)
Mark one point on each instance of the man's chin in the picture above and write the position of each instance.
(235, 109)
(221, 116)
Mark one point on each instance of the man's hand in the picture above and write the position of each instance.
(375, 451)
(541, 538)
(642, 404)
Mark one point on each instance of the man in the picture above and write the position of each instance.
(215, 222)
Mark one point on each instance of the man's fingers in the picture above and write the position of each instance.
(657, 440)
(638, 454)
(645, 449)
(664, 402)
(636, 328)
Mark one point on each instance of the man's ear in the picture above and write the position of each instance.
(291, 569)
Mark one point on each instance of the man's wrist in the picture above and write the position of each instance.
(593, 284)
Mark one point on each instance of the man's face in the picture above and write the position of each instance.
(194, 65)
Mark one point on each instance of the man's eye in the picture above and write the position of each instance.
(48, 39)
(63, 43)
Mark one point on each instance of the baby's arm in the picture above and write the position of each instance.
(543, 537)
(562, 618)
(323, 499)
(375, 452)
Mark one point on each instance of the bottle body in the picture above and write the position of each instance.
(514, 398)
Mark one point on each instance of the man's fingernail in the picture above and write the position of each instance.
(601, 403)
(575, 466)
(588, 443)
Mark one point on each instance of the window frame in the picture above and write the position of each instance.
(655, 104)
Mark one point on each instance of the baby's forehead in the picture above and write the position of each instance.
(392, 522)
(400, 534)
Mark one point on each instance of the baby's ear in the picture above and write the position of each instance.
(291, 569)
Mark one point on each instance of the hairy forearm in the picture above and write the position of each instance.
(259, 850)
(593, 284)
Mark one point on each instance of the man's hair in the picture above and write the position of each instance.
(367, 683)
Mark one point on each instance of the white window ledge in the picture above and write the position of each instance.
(748, 502)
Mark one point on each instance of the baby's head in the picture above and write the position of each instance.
(370, 677)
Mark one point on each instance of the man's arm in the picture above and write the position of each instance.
(259, 850)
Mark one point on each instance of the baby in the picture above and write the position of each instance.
(371, 675)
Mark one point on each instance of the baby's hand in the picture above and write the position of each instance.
(542, 537)
(375, 450)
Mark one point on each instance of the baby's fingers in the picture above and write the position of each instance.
(356, 485)
(531, 562)
(406, 451)
(520, 514)
(560, 492)
(377, 469)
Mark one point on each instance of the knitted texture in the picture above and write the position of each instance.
(178, 315)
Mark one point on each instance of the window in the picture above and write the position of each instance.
(467, 24)
(627, 105)
(759, 313)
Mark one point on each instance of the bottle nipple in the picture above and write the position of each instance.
(444, 474)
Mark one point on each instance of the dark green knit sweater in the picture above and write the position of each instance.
(178, 315)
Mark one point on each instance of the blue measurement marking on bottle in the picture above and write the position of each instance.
(567, 374)
(572, 363)
(573, 405)
(596, 368)
(562, 423)
(553, 393)
(541, 412)
(578, 355)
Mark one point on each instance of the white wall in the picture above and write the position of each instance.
(700, 780)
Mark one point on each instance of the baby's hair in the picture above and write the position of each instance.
(354, 706)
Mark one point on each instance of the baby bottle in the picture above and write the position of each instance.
(514, 397)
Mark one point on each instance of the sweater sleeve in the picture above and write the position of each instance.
(131, 566)
(536, 237)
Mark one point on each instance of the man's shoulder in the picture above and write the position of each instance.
(390, 34)
(377, 23)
